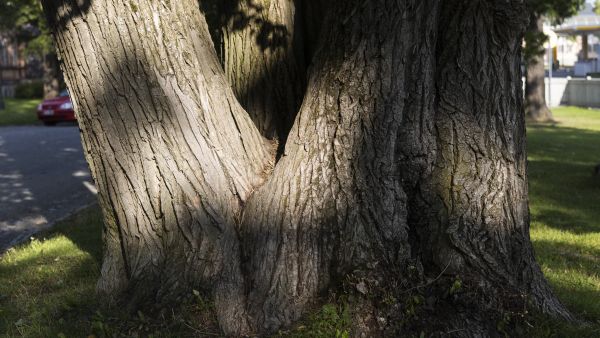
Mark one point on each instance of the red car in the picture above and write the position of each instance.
(58, 109)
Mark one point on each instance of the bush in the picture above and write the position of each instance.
(30, 90)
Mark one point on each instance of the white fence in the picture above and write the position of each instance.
(573, 92)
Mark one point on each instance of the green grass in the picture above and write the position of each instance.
(19, 112)
(565, 209)
(47, 289)
(47, 285)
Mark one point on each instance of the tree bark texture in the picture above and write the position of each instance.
(536, 108)
(407, 154)
(51, 76)
(479, 183)
(173, 154)
(260, 44)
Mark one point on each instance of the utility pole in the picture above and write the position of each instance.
(550, 63)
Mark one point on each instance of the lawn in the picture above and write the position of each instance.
(19, 112)
(47, 290)
(565, 207)
(47, 285)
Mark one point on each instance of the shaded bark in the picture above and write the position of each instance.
(334, 202)
(536, 108)
(409, 151)
(173, 154)
(260, 46)
(51, 76)
(479, 182)
(314, 16)
(406, 160)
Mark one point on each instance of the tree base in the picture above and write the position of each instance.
(446, 306)
(540, 115)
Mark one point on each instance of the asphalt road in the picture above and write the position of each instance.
(43, 178)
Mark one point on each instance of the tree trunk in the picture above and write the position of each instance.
(260, 44)
(478, 185)
(406, 161)
(173, 154)
(536, 108)
(51, 76)
(314, 14)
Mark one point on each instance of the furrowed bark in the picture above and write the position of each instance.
(261, 46)
(409, 151)
(173, 154)
(335, 203)
(406, 160)
(478, 217)
(536, 108)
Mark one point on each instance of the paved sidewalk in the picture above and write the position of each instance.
(43, 178)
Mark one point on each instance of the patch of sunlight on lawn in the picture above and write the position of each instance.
(19, 112)
(575, 117)
(571, 262)
(47, 289)
(45, 285)
(564, 203)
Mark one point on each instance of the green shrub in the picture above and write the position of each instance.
(30, 90)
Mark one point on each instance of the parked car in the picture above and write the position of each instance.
(58, 109)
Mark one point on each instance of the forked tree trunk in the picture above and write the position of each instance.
(262, 57)
(406, 161)
(536, 108)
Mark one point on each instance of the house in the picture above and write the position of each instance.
(13, 68)
(582, 30)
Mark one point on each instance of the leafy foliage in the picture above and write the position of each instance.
(24, 20)
(554, 10)
(332, 320)
(31, 90)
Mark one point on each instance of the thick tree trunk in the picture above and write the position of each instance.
(478, 185)
(51, 76)
(536, 108)
(390, 160)
(406, 161)
(173, 154)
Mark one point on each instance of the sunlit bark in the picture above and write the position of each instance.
(406, 160)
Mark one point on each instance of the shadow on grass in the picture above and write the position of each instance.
(576, 224)
(564, 193)
(84, 229)
(47, 289)
(574, 273)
